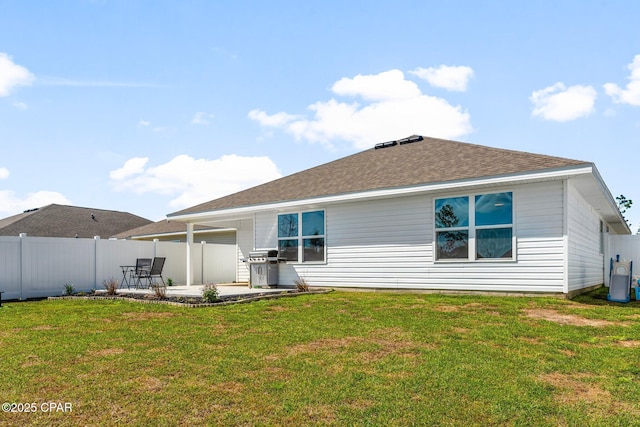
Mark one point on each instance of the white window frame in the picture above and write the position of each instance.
(300, 238)
(472, 228)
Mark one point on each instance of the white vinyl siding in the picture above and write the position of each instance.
(266, 230)
(384, 243)
(388, 243)
(585, 262)
(245, 238)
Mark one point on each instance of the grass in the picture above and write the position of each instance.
(333, 359)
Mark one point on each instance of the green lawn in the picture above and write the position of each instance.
(333, 359)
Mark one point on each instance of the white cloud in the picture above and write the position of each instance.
(20, 106)
(394, 108)
(630, 95)
(133, 166)
(453, 78)
(560, 103)
(4, 173)
(202, 118)
(167, 131)
(11, 204)
(12, 75)
(386, 86)
(274, 120)
(194, 181)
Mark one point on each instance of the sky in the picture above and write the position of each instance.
(150, 107)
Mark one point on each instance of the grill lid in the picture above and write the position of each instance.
(262, 254)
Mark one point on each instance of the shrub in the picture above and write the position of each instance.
(111, 286)
(159, 291)
(169, 281)
(69, 289)
(301, 284)
(210, 293)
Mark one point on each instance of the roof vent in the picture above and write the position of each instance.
(411, 139)
(385, 144)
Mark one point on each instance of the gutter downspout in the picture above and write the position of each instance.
(565, 236)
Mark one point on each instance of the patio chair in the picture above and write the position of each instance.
(155, 271)
(143, 266)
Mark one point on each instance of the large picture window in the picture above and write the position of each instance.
(474, 228)
(301, 236)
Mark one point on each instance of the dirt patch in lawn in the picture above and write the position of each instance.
(320, 414)
(388, 342)
(147, 383)
(31, 360)
(628, 343)
(230, 387)
(582, 388)
(564, 319)
(43, 328)
(447, 308)
(107, 352)
(575, 388)
(146, 315)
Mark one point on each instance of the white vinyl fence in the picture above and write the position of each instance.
(628, 247)
(34, 267)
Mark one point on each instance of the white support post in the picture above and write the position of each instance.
(188, 245)
(202, 249)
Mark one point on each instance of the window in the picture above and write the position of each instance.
(474, 228)
(301, 236)
(452, 225)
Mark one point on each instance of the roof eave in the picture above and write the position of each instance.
(607, 206)
(249, 210)
(176, 233)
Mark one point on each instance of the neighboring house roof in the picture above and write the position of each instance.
(160, 228)
(69, 221)
(413, 162)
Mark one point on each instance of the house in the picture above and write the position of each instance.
(69, 221)
(427, 213)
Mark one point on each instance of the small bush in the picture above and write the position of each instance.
(69, 289)
(160, 292)
(210, 293)
(169, 281)
(301, 284)
(111, 286)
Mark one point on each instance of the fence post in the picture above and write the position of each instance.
(95, 264)
(188, 247)
(23, 264)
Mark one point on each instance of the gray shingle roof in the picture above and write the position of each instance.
(69, 221)
(430, 160)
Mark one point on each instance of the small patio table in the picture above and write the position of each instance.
(127, 271)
